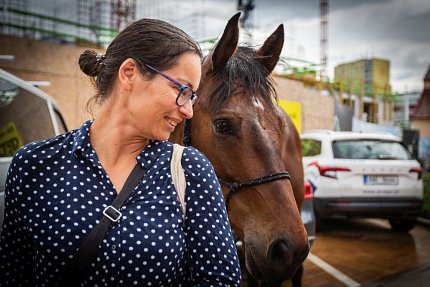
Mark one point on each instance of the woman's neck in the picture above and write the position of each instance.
(113, 136)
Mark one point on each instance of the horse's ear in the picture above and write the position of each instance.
(226, 46)
(269, 53)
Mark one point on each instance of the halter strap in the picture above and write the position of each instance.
(236, 186)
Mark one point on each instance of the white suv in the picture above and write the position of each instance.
(27, 114)
(356, 174)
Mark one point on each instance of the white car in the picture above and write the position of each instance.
(369, 175)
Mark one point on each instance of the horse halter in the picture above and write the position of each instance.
(235, 187)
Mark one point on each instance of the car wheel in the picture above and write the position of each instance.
(402, 225)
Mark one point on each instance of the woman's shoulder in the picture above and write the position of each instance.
(34, 154)
(196, 164)
(44, 146)
(192, 159)
(193, 156)
(46, 149)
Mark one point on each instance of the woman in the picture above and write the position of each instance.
(57, 189)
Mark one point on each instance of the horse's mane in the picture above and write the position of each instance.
(243, 70)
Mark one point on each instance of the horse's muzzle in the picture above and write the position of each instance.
(281, 262)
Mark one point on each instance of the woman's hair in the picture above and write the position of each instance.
(149, 41)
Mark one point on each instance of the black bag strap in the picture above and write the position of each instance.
(87, 252)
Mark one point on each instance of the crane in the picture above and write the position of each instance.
(324, 40)
(246, 7)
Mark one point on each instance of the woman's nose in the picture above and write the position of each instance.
(187, 110)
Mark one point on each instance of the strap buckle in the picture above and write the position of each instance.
(112, 213)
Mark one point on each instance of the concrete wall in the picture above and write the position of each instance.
(423, 126)
(56, 63)
(317, 110)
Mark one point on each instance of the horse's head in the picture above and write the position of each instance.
(238, 127)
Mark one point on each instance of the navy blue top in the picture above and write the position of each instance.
(56, 191)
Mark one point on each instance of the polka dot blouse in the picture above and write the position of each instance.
(56, 191)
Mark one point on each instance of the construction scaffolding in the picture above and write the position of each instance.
(123, 13)
(67, 21)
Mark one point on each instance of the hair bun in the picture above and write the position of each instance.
(91, 62)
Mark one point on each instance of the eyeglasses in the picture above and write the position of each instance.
(185, 93)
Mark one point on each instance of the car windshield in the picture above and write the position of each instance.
(370, 149)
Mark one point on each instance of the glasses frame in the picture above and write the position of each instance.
(193, 98)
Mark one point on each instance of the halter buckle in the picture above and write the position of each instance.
(234, 186)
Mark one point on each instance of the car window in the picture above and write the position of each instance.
(62, 128)
(370, 149)
(25, 117)
(311, 147)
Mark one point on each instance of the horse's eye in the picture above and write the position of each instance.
(222, 127)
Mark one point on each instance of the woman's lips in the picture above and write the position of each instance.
(171, 122)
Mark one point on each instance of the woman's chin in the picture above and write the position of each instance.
(162, 137)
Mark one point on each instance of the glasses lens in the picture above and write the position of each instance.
(184, 96)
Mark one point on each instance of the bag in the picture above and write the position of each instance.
(178, 175)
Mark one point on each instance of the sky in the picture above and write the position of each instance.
(396, 30)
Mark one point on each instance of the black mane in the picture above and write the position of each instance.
(244, 71)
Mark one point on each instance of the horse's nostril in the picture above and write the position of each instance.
(279, 254)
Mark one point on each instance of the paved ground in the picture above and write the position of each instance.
(367, 253)
(419, 277)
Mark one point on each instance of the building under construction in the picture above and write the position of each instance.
(67, 21)
(365, 85)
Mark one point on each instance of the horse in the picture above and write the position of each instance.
(256, 153)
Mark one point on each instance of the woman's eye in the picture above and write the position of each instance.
(176, 88)
(223, 127)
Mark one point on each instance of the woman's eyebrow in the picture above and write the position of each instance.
(185, 82)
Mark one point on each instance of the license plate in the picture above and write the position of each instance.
(381, 179)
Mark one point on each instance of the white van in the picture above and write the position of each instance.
(26, 114)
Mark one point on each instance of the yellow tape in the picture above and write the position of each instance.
(294, 110)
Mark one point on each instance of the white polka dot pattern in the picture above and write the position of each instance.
(56, 191)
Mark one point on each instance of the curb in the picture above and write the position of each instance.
(424, 221)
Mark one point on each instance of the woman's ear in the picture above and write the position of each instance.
(127, 73)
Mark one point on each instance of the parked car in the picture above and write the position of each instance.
(308, 214)
(369, 175)
(27, 114)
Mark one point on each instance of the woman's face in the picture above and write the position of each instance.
(154, 109)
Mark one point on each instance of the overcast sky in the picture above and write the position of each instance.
(397, 30)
